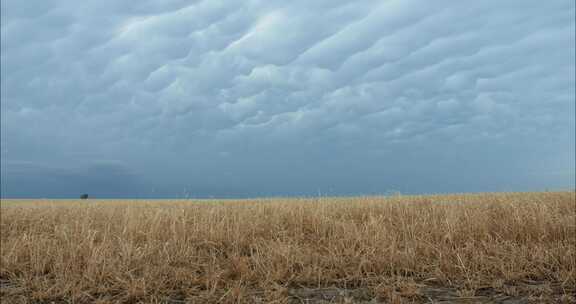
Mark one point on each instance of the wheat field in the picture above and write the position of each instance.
(372, 249)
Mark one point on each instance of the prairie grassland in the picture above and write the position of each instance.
(245, 251)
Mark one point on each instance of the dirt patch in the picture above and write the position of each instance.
(512, 293)
(330, 295)
(523, 293)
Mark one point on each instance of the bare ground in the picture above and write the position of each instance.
(525, 292)
(532, 292)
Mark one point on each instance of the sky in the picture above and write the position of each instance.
(174, 98)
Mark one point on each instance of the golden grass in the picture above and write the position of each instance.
(227, 251)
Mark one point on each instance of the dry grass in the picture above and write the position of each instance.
(239, 251)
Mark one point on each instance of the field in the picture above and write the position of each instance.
(469, 248)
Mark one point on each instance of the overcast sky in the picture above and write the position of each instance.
(179, 98)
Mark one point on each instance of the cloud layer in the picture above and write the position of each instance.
(247, 98)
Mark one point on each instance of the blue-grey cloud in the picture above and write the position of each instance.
(269, 97)
(31, 179)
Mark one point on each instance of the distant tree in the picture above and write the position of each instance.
(84, 196)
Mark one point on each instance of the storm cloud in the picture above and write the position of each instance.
(251, 98)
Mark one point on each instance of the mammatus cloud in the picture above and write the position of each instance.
(265, 97)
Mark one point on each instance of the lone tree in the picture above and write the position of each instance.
(84, 196)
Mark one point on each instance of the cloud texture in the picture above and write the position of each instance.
(245, 98)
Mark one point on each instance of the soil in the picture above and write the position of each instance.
(516, 293)
(436, 294)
